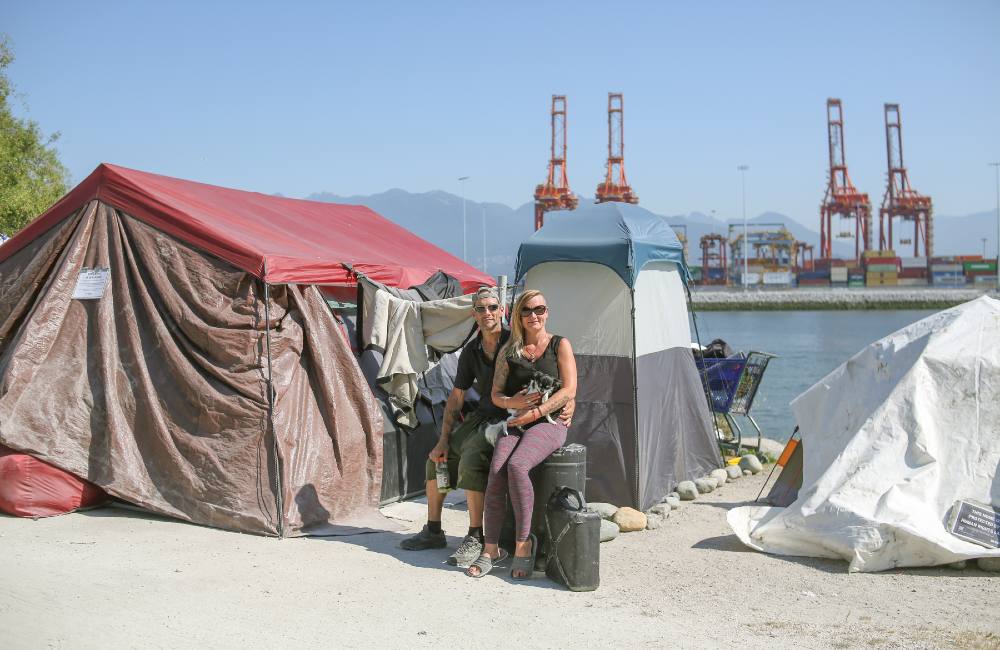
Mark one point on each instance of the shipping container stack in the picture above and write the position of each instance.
(713, 275)
(820, 275)
(695, 274)
(777, 278)
(946, 272)
(980, 272)
(913, 272)
(881, 268)
(838, 276)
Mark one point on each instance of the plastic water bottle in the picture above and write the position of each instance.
(442, 477)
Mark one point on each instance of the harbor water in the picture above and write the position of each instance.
(809, 344)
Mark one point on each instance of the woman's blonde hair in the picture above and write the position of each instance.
(516, 342)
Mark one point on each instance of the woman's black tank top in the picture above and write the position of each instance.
(520, 372)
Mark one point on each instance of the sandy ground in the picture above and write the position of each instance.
(115, 578)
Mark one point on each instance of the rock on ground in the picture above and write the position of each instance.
(720, 476)
(609, 530)
(629, 520)
(752, 463)
(687, 491)
(733, 472)
(704, 486)
(673, 501)
(661, 509)
(747, 472)
(989, 563)
(605, 510)
(653, 521)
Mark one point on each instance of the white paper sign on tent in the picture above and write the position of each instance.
(91, 283)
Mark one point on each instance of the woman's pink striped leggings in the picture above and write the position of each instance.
(513, 458)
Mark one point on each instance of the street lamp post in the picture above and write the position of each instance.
(996, 166)
(743, 179)
(465, 257)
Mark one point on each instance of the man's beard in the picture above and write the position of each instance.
(490, 329)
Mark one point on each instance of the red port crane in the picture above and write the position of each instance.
(900, 199)
(615, 187)
(842, 199)
(555, 194)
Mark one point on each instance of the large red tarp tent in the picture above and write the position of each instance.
(205, 378)
(277, 239)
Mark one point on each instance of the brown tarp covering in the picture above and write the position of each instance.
(157, 392)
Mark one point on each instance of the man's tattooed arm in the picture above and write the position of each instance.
(452, 412)
(500, 378)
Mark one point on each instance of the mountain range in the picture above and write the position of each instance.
(437, 217)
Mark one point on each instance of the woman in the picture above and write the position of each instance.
(533, 432)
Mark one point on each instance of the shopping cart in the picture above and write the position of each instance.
(731, 385)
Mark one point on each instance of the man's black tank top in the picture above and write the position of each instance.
(520, 371)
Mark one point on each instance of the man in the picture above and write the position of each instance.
(463, 446)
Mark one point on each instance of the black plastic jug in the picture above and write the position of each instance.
(574, 536)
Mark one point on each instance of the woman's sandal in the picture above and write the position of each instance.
(525, 565)
(485, 564)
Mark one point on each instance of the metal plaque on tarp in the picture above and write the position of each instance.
(91, 284)
(975, 522)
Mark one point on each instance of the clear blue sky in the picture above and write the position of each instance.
(355, 99)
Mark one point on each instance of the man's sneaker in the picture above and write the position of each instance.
(424, 540)
(466, 553)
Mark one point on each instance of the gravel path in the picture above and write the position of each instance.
(118, 578)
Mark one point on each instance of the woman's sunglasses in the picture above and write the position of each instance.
(481, 309)
(537, 311)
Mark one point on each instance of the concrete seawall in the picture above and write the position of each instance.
(833, 298)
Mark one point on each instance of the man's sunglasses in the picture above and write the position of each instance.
(537, 311)
(481, 309)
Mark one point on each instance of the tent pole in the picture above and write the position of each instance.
(635, 402)
(270, 409)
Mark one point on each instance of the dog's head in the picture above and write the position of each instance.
(544, 382)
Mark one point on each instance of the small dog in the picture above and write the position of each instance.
(540, 382)
(546, 384)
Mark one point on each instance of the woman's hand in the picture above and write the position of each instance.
(524, 416)
(523, 400)
(566, 415)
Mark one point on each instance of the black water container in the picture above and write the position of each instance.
(566, 466)
(574, 536)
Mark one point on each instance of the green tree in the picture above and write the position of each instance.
(31, 176)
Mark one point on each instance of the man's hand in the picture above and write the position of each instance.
(566, 416)
(440, 452)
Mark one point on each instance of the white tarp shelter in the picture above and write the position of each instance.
(891, 440)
